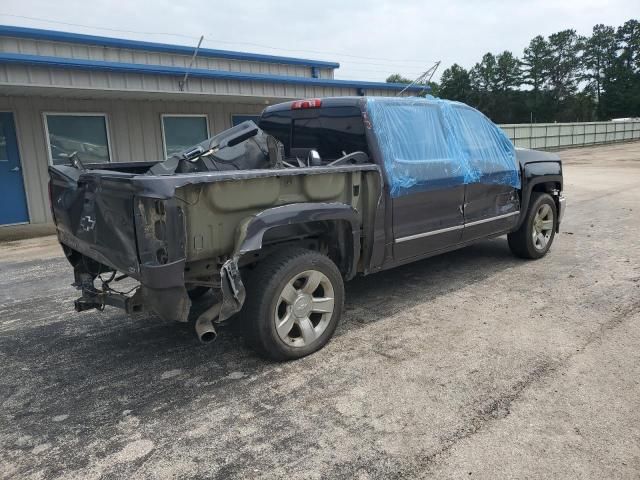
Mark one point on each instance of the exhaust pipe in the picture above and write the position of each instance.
(205, 330)
(204, 324)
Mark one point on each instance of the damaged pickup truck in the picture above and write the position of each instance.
(275, 217)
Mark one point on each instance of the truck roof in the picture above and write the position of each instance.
(326, 102)
(356, 101)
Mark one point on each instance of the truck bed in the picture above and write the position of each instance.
(104, 213)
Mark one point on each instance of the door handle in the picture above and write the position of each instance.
(15, 169)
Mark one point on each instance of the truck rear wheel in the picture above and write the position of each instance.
(293, 304)
(534, 237)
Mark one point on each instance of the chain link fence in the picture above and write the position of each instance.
(549, 136)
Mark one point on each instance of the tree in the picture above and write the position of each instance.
(484, 74)
(568, 78)
(455, 84)
(434, 89)
(629, 37)
(564, 63)
(508, 73)
(536, 63)
(621, 85)
(397, 78)
(599, 58)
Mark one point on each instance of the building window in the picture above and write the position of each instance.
(238, 119)
(83, 133)
(183, 131)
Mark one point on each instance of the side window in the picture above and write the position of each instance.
(488, 150)
(429, 143)
(415, 146)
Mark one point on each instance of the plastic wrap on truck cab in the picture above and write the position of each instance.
(431, 143)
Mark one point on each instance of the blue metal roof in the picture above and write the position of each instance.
(75, 63)
(56, 36)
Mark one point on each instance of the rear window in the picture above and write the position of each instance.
(330, 130)
(278, 124)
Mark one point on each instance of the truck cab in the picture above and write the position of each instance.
(451, 176)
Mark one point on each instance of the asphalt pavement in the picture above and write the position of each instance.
(473, 364)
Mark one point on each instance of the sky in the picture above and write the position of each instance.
(370, 39)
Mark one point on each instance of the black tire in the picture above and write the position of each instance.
(197, 292)
(521, 242)
(264, 287)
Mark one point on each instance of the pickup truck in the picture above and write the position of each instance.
(274, 217)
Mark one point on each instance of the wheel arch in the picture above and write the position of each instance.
(543, 177)
(335, 225)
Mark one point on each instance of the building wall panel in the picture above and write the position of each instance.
(90, 52)
(44, 76)
(134, 129)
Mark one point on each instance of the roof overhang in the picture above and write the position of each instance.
(68, 37)
(135, 68)
(116, 94)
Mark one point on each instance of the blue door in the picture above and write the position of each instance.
(13, 205)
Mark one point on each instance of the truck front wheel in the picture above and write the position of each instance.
(293, 304)
(534, 237)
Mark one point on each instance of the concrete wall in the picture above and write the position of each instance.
(549, 136)
(135, 133)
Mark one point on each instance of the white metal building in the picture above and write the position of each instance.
(122, 100)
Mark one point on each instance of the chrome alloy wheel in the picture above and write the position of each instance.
(542, 227)
(304, 308)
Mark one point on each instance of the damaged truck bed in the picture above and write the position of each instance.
(177, 232)
(277, 217)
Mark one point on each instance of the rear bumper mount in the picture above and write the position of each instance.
(97, 299)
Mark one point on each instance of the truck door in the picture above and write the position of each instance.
(427, 221)
(488, 209)
(425, 179)
(491, 202)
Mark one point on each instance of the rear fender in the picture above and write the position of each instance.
(252, 231)
(250, 238)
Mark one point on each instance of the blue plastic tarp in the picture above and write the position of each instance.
(429, 143)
